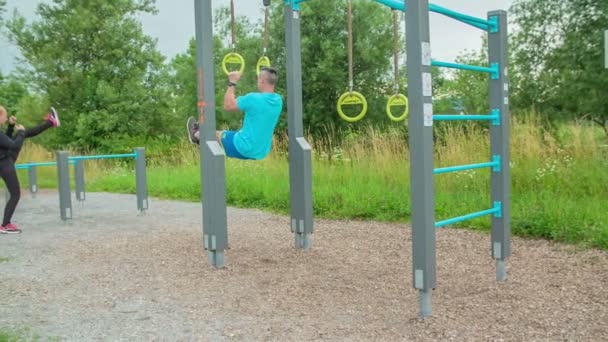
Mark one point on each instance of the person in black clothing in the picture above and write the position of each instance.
(10, 146)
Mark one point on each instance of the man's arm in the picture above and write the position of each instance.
(230, 96)
(230, 99)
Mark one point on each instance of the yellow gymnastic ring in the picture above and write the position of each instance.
(262, 62)
(233, 58)
(352, 98)
(397, 100)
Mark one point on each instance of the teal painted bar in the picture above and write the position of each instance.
(72, 160)
(106, 156)
(465, 117)
(493, 164)
(490, 70)
(494, 117)
(496, 211)
(461, 17)
(396, 5)
(28, 165)
(479, 23)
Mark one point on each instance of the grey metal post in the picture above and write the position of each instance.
(32, 178)
(606, 49)
(213, 174)
(300, 152)
(79, 180)
(499, 140)
(63, 175)
(421, 151)
(215, 234)
(141, 179)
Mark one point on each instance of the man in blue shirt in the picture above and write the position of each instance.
(262, 111)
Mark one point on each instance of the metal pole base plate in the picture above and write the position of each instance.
(216, 258)
(501, 270)
(303, 241)
(425, 304)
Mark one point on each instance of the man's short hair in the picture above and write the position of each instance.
(270, 74)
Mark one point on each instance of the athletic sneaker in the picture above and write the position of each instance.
(9, 229)
(53, 117)
(192, 128)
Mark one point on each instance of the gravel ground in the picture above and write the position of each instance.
(112, 275)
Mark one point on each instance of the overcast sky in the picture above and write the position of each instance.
(174, 25)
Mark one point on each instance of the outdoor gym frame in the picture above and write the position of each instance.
(421, 120)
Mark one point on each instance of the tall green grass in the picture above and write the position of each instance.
(559, 188)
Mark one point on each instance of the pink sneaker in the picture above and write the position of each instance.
(9, 229)
(53, 117)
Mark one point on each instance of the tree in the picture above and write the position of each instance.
(2, 9)
(93, 61)
(557, 51)
(11, 92)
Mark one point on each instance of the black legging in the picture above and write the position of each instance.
(9, 175)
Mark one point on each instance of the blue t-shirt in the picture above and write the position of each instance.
(262, 112)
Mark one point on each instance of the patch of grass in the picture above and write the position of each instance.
(6, 336)
(24, 334)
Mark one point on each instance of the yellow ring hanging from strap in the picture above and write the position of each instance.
(397, 100)
(352, 98)
(262, 62)
(233, 58)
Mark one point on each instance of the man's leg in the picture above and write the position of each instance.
(226, 139)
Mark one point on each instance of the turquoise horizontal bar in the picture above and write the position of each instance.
(465, 117)
(494, 211)
(29, 165)
(493, 164)
(494, 117)
(106, 156)
(396, 5)
(467, 19)
(464, 67)
(399, 5)
(72, 160)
